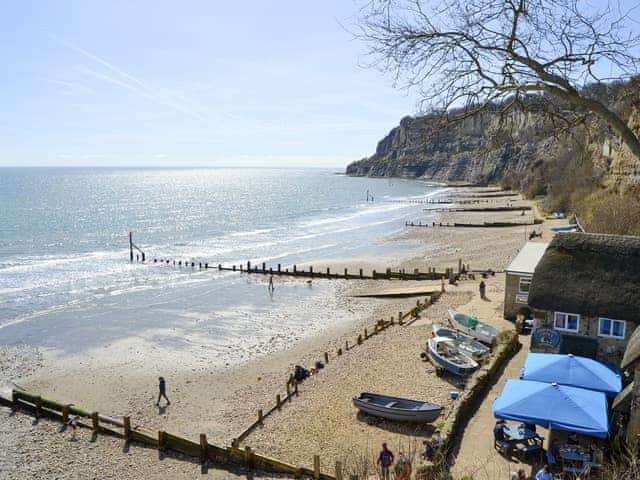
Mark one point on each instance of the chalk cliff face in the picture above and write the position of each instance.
(485, 149)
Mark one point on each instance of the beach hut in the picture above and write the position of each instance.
(554, 406)
(584, 292)
(573, 371)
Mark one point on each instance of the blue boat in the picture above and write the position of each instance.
(444, 353)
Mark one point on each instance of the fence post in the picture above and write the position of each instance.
(95, 422)
(278, 403)
(338, 471)
(65, 414)
(365, 334)
(326, 358)
(127, 428)
(204, 448)
(162, 440)
(316, 466)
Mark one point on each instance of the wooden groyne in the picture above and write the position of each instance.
(164, 442)
(404, 318)
(294, 271)
(492, 195)
(481, 209)
(472, 225)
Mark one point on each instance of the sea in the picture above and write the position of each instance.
(67, 285)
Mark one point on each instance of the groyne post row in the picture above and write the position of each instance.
(380, 326)
(163, 441)
(388, 274)
(472, 225)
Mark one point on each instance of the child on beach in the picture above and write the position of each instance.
(73, 423)
(162, 387)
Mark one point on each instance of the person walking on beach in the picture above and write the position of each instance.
(483, 289)
(162, 391)
(271, 286)
(385, 460)
(73, 423)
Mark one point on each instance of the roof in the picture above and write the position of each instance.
(527, 258)
(590, 274)
(632, 352)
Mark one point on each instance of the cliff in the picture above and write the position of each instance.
(486, 148)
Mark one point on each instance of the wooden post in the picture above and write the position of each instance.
(311, 270)
(204, 448)
(346, 346)
(373, 274)
(338, 471)
(360, 273)
(359, 339)
(459, 265)
(294, 269)
(326, 358)
(130, 247)
(127, 428)
(346, 273)
(264, 267)
(365, 334)
(65, 414)
(328, 271)
(248, 266)
(278, 402)
(442, 284)
(260, 416)
(288, 392)
(162, 440)
(278, 268)
(38, 406)
(339, 351)
(400, 315)
(316, 466)
(95, 422)
(248, 458)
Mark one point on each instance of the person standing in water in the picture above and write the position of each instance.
(271, 286)
(162, 391)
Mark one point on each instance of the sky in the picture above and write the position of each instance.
(191, 83)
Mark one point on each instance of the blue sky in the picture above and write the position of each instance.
(188, 83)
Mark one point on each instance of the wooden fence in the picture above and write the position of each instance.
(203, 450)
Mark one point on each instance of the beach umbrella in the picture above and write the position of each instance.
(573, 371)
(550, 405)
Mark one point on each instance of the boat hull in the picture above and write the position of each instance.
(426, 415)
(463, 368)
(482, 332)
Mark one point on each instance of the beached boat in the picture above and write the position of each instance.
(446, 354)
(465, 343)
(397, 409)
(471, 326)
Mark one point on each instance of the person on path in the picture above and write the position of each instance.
(544, 473)
(162, 391)
(271, 286)
(519, 475)
(483, 289)
(385, 460)
(403, 468)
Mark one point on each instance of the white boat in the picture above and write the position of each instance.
(465, 343)
(472, 326)
(397, 409)
(446, 354)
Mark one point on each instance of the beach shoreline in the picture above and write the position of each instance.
(221, 402)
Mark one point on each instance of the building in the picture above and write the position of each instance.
(586, 295)
(518, 279)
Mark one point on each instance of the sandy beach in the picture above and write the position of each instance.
(221, 401)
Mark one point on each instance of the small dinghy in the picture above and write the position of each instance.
(397, 409)
(468, 345)
(471, 326)
(446, 354)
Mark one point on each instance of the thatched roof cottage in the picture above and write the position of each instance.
(586, 295)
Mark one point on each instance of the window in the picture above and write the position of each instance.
(525, 283)
(611, 328)
(566, 321)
